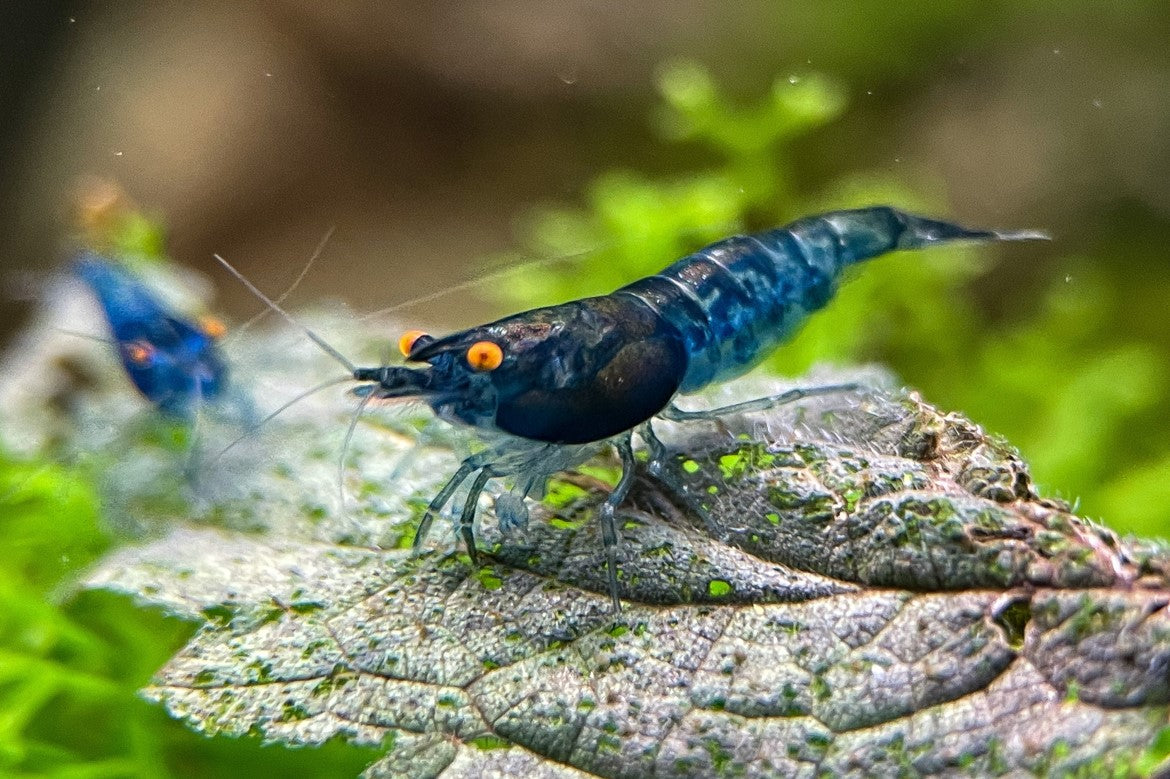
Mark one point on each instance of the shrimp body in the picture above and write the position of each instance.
(549, 387)
(735, 301)
(590, 369)
(175, 364)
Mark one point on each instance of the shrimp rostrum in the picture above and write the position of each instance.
(550, 387)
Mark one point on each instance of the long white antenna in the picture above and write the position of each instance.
(237, 332)
(256, 427)
(507, 270)
(495, 273)
(288, 317)
(86, 336)
(357, 415)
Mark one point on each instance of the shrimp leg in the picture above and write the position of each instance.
(436, 505)
(467, 518)
(606, 513)
(659, 453)
(676, 414)
(656, 465)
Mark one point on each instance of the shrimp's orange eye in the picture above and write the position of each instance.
(485, 356)
(139, 352)
(212, 326)
(408, 340)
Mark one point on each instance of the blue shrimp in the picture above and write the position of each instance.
(176, 364)
(548, 388)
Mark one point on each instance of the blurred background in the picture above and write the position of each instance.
(441, 139)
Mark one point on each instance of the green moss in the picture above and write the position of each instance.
(566, 524)
(752, 458)
(489, 579)
(261, 671)
(1014, 621)
(720, 757)
(306, 606)
(560, 494)
(733, 466)
(718, 588)
(1091, 618)
(813, 504)
(405, 538)
(785, 499)
(220, 613)
(486, 743)
(818, 740)
(1051, 544)
(609, 743)
(996, 762)
(292, 712)
(852, 497)
(662, 550)
(608, 474)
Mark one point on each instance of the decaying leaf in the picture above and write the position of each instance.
(858, 585)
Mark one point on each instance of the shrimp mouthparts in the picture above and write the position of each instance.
(393, 381)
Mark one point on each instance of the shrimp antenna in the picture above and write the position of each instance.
(292, 287)
(288, 317)
(475, 281)
(285, 406)
(357, 415)
(87, 336)
(505, 271)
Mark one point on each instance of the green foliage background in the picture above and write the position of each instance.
(1072, 377)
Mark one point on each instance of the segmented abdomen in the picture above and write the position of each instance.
(736, 300)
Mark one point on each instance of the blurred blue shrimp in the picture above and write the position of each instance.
(176, 364)
(548, 388)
